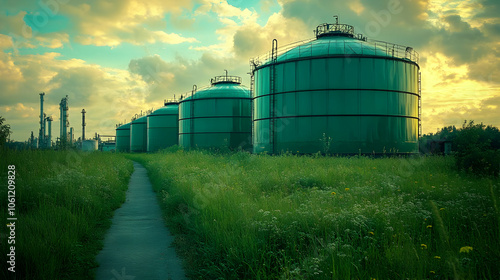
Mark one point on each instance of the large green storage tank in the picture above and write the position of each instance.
(163, 127)
(123, 138)
(138, 135)
(338, 93)
(218, 116)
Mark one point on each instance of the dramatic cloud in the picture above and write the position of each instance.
(177, 77)
(110, 23)
(111, 94)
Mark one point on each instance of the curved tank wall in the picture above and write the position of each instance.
(338, 94)
(123, 138)
(216, 117)
(163, 127)
(89, 145)
(138, 135)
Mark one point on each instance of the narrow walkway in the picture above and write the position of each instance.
(138, 245)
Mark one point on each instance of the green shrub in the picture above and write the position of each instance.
(477, 149)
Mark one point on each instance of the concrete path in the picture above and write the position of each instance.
(138, 245)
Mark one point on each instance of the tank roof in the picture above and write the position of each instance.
(142, 119)
(221, 90)
(336, 40)
(170, 108)
(124, 126)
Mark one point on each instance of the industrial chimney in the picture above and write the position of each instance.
(83, 124)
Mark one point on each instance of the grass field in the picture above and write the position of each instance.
(63, 205)
(242, 216)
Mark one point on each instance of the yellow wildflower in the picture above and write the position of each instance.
(433, 272)
(423, 246)
(429, 226)
(465, 249)
(441, 209)
(346, 189)
(371, 232)
(437, 257)
(334, 193)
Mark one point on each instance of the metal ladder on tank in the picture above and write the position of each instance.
(191, 121)
(252, 96)
(272, 97)
(419, 104)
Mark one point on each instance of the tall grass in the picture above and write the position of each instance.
(64, 202)
(245, 216)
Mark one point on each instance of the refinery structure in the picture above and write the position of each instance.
(337, 93)
(66, 139)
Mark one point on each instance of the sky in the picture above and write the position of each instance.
(116, 58)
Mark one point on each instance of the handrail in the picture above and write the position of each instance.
(225, 79)
(367, 46)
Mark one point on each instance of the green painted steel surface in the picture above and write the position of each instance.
(138, 135)
(123, 138)
(163, 127)
(216, 117)
(362, 98)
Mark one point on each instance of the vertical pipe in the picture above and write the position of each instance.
(41, 134)
(44, 129)
(83, 124)
(49, 138)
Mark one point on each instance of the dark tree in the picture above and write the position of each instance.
(4, 131)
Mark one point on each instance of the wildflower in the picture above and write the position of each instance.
(334, 193)
(433, 272)
(423, 246)
(346, 189)
(429, 226)
(371, 232)
(441, 209)
(416, 182)
(465, 249)
(437, 257)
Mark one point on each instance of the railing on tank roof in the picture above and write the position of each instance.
(225, 79)
(142, 114)
(367, 46)
(327, 28)
(170, 101)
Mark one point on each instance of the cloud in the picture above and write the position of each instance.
(111, 23)
(112, 95)
(485, 112)
(166, 78)
(254, 40)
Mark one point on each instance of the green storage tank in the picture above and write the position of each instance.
(338, 93)
(163, 127)
(138, 135)
(218, 116)
(123, 138)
